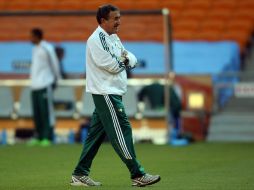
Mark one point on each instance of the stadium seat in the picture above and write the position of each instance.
(43, 5)
(239, 24)
(184, 29)
(245, 4)
(145, 4)
(213, 24)
(210, 30)
(130, 102)
(64, 101)
(198, 4)
(153, 108)
(183, 35)
(224, 4)
(73, 5)
(17, 5)
(185, 24)
(25, 104)
(193, 13)
(2, 5)
(88, 107)
(219, 14)
(6, 103)
(124, 5)
(153, 113)
(172, 4)
(241, 37)
(243, 14)
(207, 35)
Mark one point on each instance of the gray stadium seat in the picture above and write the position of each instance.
(64, 102)
(25, 108)
(153, 113)
(6, 102)
(130, 102)
(150, 113)
(87, 105)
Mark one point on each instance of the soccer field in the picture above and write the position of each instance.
(201, 166)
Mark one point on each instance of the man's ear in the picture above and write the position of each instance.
(103, 20)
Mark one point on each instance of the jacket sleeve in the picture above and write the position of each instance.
(103, 58)
(132, 59)
(54, 62)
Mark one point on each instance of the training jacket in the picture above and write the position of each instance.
(45, 66)
(105, 71)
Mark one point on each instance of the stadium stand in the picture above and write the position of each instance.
(73, 28)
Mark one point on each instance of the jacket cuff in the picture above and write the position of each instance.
(132, 60)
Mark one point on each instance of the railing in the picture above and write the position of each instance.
(75, 83)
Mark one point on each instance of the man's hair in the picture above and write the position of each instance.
(37, 32)
(104, 11)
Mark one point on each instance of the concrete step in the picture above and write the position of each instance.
(241, 101)
(231, 137)
(230, 116)
(240, 105)
(232, 126)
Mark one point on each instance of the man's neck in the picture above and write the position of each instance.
(104, 30)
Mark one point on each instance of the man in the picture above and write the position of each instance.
(44, 74)
(106, 64)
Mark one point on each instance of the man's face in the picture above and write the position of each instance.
(111, 25)
(34, 39)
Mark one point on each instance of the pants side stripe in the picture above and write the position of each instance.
(117, 128)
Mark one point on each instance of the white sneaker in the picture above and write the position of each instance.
(145, 180)
(83, 181)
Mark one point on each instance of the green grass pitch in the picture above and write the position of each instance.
(200, 166)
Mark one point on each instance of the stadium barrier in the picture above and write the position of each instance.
(140, 122)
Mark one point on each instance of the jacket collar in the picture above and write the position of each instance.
(100, 29)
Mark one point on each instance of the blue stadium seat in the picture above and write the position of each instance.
(130, 102)
(65, 102)
(6, 103)
(87, 105)
(25, 104)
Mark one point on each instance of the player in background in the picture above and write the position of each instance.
(44, 75)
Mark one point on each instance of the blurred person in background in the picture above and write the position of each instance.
(44, 75)
(154, 95)
(60, 52)
(106, 80)
(175, 106)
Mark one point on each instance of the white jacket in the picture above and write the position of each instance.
(105, 72)
(45, 66)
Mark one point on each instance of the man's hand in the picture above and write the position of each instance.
(124, 53)
(124, 57)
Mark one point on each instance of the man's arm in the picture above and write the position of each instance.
(103, 58)
(54, 62)
(131, 59)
